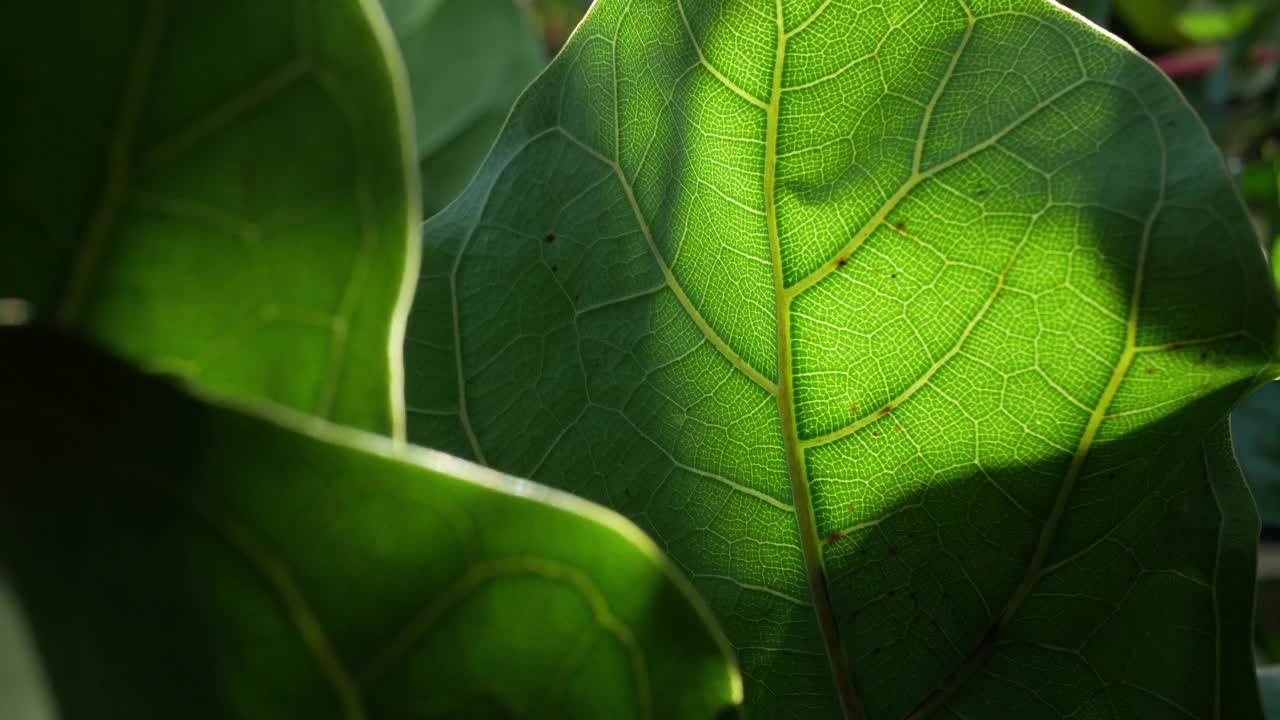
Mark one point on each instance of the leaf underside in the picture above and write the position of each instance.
(467, 61)
(907, 329)
(169, 165)
(189, 559)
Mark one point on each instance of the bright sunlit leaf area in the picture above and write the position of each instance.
(640, 358)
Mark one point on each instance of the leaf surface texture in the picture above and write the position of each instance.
(907, 328)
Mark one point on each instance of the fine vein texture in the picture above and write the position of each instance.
(168, 166)
(907, 328)
(183, 558)
(467, 61)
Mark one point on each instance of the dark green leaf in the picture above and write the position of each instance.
(467, 61)
(169, 166)
(908, 330)
(184, 559)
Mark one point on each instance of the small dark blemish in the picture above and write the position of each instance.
(875, 433)
(1177, 346)
(852, 507)
(900, 226)
(834, 537)
(840, 262)
(853, 408)
(550, 238)
(893, 552)
(886, 409)
(555, 268)
(1151, 371)
(893, 593)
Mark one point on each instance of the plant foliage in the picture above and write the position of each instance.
(909, 330)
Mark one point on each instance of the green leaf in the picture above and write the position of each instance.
(467, 61)
(168, 165)
(181, 558)
(908, 331)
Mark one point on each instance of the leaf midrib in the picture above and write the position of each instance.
(810, 546)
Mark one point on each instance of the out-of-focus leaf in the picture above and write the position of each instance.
(1153, 22)
(1209, 24)
(180, 558)
(1098, 11)
(467, 61)
(170, 166)
(24, 691)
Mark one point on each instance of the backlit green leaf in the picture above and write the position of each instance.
(467, 61)
(168, 166)
(909, 330)
(185, 559)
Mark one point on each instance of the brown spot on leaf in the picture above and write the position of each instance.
(886, 409)
(840, 262)
(1177, 346)
(893, 552)
(834, 537)
(1151, 371)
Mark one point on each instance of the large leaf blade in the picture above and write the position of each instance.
(160, 153)
(921, 317)
(192, 559)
